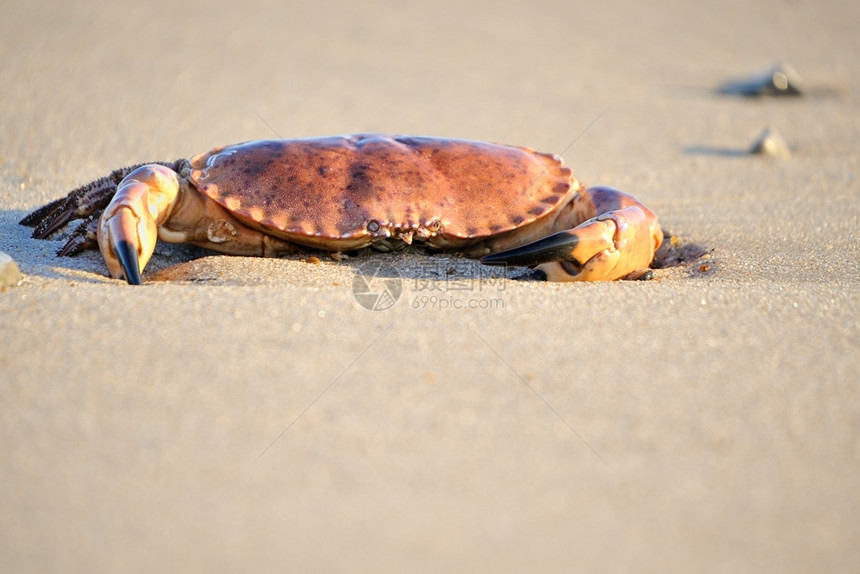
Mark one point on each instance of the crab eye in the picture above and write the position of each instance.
(433, 225)
(373, 226)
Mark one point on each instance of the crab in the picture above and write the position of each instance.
(506, 205)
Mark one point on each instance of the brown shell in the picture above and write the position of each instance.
(368, 186)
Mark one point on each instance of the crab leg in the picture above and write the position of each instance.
(620, 241)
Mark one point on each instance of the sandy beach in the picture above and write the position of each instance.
(241, 414)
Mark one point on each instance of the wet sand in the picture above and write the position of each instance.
(248, 414)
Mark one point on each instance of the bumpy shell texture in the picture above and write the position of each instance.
(374, 185)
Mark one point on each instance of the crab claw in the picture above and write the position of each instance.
(126, 242)
(128, 228)
(610, 246)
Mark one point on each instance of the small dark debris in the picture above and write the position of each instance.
(780, 80)
(771, 144)
(528, 274)
(641, 275)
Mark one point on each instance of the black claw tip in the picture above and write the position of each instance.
(127, 255)
(556, 247)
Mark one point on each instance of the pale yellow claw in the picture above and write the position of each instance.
(128, 228)
(611, 246)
